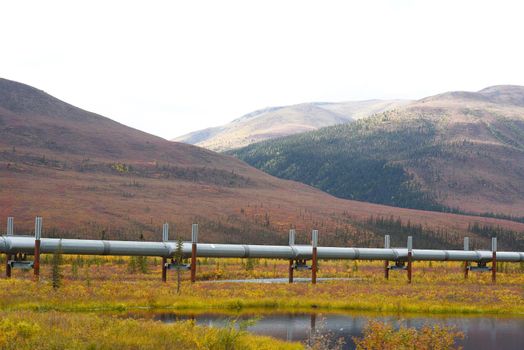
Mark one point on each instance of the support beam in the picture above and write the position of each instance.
(165, 238)
(38, 236)
(494, 260)
(10, 229)
(466, 263)
(290, 271)
(387, 245)
(410, 255)
(292, 234)
(164, 269)
(165, 232)
(194, 241)
(314, 244)
(10, 232)
(7, 266)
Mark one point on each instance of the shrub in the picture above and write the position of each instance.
(382, 336)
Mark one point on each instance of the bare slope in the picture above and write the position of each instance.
(32, 119)
(91, 177)
(276, 122)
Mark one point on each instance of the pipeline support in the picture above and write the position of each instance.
(8, 266)
(410, 256)
(494, 260)
(194, 240)
(314, 263)
(290, 271)
(164, 269)
(38, 236)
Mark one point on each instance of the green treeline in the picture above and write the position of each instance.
(438, 238)
(374, 159)
(423, 237)
(512, 240)
(363, 160)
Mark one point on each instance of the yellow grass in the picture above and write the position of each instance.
(55, 330)
(106, 284)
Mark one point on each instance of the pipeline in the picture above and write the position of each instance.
(26, 245)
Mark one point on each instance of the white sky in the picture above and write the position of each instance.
(171, 67)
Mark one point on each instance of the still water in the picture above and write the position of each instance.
(480, 332)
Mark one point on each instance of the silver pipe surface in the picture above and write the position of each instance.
(26, 244)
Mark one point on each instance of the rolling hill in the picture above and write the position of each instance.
(89, 176)
(461, 151)
(276, 122)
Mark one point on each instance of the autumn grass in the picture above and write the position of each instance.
(109, 286)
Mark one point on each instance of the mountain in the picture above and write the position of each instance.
(90, 177)
(31, 119)
(461, 151)
(274, 122)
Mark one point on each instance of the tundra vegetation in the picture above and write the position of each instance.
(90, 308)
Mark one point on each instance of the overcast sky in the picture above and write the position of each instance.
(171, 67)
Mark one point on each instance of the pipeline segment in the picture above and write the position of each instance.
(166, 249)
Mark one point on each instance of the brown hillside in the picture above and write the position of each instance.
(478, 159)
(91, 177)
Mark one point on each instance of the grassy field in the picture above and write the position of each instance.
(97, 292)
(96, 283)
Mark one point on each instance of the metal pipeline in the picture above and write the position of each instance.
(26, 244)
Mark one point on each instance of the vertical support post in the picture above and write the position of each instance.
(387, 245)
(194, 241)
(410, 254)
(165, 238)
(290, 271)
(38, 236)
(314, 244)
(7, 266)
(466, 263)
(494, 260)
(292, 234)
(10, 230)
(8, 256)
(164, 269)
(165, 232)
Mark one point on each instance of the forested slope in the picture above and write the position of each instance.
(455, 151)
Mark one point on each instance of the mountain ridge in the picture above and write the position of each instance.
(497, 94)
(279, 121)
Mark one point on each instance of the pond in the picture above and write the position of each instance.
(491, 332)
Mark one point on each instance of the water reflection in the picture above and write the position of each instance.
(480, 332)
